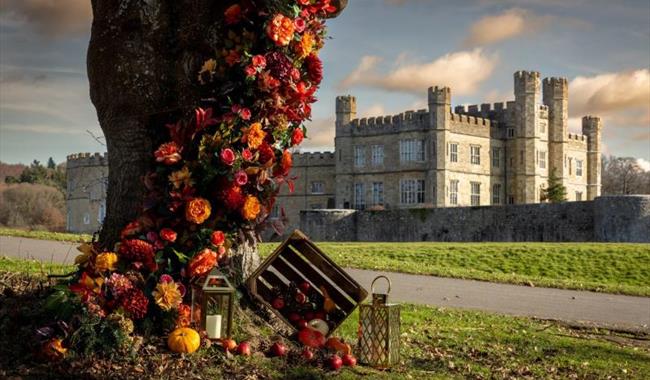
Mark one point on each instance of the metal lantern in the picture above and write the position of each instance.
(212, 305)
(379, 330)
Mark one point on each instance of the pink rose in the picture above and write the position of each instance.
(299, 25)
(227, 156)
(168, 234)
(250, 71)
(247, 154)
(166, 279)
(241, 178)
(259, 61)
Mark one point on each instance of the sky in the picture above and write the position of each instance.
(384, 52)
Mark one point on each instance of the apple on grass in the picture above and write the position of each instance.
(335, 362)
(244, 349)
(278, 349)
(349, 360)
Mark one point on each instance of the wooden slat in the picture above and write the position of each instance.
(263, 291)
(303, 266)
(273, 279)
(331, 269)
(280, 264)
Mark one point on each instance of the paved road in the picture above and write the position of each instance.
(567, 305)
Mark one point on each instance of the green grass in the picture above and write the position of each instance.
(605, 267)
(44, 235)
(33, 266)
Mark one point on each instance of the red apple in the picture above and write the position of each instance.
(278, 349)
(278, 303)
(301, 298)
(349, 360)
(307, 354)
(244, 349)
(335, 362)
(305, 287)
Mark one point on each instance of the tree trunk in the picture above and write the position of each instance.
(142, 59)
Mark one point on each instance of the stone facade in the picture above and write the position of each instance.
(87, 177)
(606, 219)
(488, 154)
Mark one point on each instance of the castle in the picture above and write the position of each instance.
(87, 182)
(438, 157)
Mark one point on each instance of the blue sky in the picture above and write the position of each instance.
(385, 52)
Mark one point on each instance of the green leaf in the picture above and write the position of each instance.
(183, 258)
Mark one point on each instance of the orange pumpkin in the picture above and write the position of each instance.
(184, 340)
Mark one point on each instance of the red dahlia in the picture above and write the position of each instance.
(135, 303)
(314, 68)
(137, 250)
(233, 198)
(279, 65)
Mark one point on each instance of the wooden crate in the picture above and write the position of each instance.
(299, 260)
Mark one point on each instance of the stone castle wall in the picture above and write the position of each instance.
(607, 219)
(87, 178)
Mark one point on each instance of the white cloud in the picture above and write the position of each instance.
(320, 135)
(610, 93)
(463, 71)
(503, 26)
(373, 110)
(643, 164)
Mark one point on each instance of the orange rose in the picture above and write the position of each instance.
(183, 318)
(280, 30)
(254, 136)
(168, 153)
(284, 165)
(197, 210)
(202, 262)
(251, 208)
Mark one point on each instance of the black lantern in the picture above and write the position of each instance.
(212, 305)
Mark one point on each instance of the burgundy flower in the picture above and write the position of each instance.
(279, 65)
(135, 303)
(314, 68)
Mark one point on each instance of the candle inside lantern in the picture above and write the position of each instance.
(213, 326)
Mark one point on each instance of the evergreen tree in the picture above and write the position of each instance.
(555, 192)
(50, 163)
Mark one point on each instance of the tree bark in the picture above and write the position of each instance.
(142, 59)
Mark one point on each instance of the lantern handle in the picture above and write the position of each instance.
(372, 286)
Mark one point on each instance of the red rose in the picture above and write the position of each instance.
(241, 178)
(259, 61)
(299, 25)
(227, 156)
(168, 234)
(243, 112)
(247, 154)
(233, 14)
(218, 238)
(297, 136)
(250, 71)
(266, 153)
(168, 153)
(232, 57)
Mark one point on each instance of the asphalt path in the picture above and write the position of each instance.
(611, 310)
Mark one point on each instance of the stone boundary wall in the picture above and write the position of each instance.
(607, 219)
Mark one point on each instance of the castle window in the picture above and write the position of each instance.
(453, 152)
(377, 193)
(476, 193)
(511, 199)
(475, 154)
(359, 196)
(411, 191)
(542, 127)
(511, 132)
(377, 155)
(541, 158)
(86, 218)
(570, 165)
(453, 192)
(102, 211)
(317, 187)
(496, 157)
(411, 150)
(578, 196)
(359, 156)
(496, 194)
(579, 168)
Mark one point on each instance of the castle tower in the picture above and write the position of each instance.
(527, 99)
(592, 127)
(439, 106)
(346, 110)
(556, 97)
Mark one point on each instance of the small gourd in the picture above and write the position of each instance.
(184, 340)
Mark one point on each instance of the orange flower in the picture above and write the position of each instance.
(280, 30)
(251, 208)
(202, 262)
(306, 45)
(255, 136)
(181, 177)
(168, 153)
(286, 163)
(198, 210)
(183, 318)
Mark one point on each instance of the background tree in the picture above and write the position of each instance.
(624, 175)
(50, 163)
(555, 191)
(142, 63)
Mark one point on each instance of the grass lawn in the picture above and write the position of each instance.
(607, 267)
(44, 235)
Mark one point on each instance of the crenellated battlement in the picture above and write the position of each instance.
(86, 159)
(523, 74)
(403, 119)
(472, 120)
(313, 158)
(576, 137)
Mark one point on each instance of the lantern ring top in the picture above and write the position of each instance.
(372, 286)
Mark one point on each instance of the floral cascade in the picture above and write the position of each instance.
(216, 174)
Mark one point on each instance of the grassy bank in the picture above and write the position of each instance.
(44, 235)
(605, 267)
